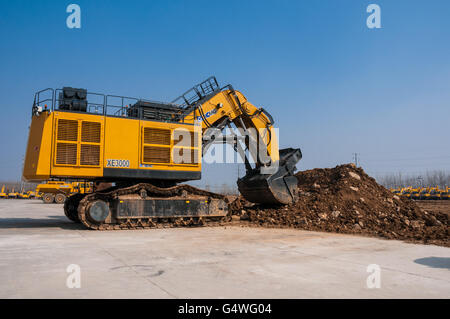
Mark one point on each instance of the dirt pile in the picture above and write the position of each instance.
(345, 199)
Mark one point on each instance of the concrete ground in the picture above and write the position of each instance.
(37, 244)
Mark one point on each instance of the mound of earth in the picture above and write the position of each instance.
(345, 199)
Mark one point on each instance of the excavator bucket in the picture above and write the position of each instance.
(278, 188)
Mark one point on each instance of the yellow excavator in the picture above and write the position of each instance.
(13, 193)
(418, 193)
(22, 194)
(143, 149)
(4, 192)
(445, 193)
(434, 193)
(29, 194)
(406, 192)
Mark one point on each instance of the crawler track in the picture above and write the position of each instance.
(141, 192)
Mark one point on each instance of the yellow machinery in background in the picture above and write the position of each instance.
(26, 194)
(13, 193)
(423, 193)
(37, 194)
(445, 193)
(4, 192)
(145, 148)
(406, 192)
(434, 193)
(58, 191)
(22, 194)
(415, 193)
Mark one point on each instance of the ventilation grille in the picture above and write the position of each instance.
(153, 154)
(67, 130)
(90, 132)
(156, 136)
(66, 153)
(185, 156)
(78, 150)
(185, 138)
(90, 154)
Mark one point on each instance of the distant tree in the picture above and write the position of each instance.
(429, 179)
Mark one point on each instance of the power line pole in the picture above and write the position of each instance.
(355, 159)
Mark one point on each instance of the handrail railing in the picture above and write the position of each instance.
(198, 92)
(124, 106)
(37, 98)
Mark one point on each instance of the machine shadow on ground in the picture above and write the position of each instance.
(54, 222)
(434, 262)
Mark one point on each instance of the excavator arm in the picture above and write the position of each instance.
(271, 180)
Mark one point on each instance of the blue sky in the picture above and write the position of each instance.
(333, 86)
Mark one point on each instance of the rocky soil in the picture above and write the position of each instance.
(345, 199)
